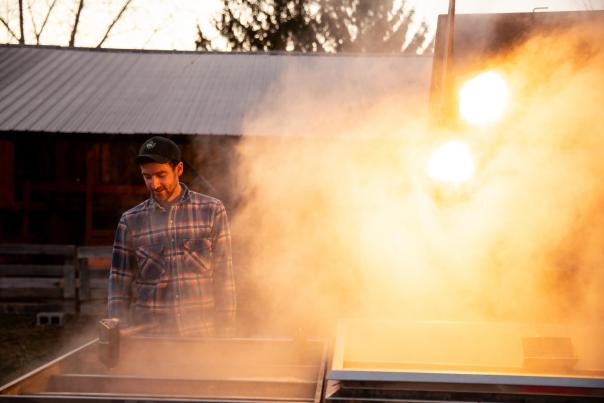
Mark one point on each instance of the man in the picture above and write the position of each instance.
(171, 261)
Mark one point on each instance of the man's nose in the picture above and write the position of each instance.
(154, 182)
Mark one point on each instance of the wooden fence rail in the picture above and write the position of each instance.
(29, 282)
(93, 270)
(66, 278)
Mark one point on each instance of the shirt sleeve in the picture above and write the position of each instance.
(121, 274)
(224, 279)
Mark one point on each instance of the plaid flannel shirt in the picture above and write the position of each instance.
(173, 266)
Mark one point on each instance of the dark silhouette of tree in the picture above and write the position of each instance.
(22, 37)
(76, 22)
(315, 26)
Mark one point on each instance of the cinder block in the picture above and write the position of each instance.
(50, 318)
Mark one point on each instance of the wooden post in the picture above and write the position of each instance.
(92, 294)
(69, 280)
(7, 179)
(84, 277)
(91, 160)
(26, 208)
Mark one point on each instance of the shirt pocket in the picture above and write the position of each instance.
(151, 263)
(198, 256)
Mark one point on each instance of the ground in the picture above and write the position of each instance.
(25, 346)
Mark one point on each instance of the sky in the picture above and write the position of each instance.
(165, 24)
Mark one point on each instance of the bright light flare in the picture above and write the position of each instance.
(483, 99)
(451, 163)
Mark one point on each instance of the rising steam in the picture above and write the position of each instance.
(347, 224)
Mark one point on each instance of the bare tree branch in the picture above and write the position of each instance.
(10, 31)
(45, 21)
(115, 20)
(22, 37)
(155, 31)
(168, 21)
(74, 30)
(33, 22)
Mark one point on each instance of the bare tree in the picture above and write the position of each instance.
(17, 23)
(22, 35)
(168, 20)
(115, 20)
(31, 15)
(38, 32)
(76, 22)
(8, 28)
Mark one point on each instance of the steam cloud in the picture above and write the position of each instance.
(346, 223)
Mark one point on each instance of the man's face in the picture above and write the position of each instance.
(162, 180)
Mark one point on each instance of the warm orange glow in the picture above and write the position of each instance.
(348, 216)
(452, 163)
(483, 99)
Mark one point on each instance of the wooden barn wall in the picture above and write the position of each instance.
(73, 188)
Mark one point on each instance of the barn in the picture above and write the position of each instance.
(71, 121)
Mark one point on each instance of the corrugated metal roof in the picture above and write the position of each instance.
(61, 90)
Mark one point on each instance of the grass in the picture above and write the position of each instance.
(25, 346)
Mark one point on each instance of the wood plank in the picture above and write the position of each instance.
(84, 280)
(7, 167)
(39, 270)
(95, 308)
(31, 282)
(94, 251)
(69, 279)
(37, 249)
(31, 307)
(98, 294)
(99, 283)
(99, 264)
(219, 389)
(81, 188)
(99, 274)
(32, 293)
(20, 207)
(91, 172)
(26, 190)
(89, 277)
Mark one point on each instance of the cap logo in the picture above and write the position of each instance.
(150, 145)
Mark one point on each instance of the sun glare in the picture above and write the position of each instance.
(452, 162)
(483, 99)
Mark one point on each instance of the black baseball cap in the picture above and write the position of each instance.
(158, 149)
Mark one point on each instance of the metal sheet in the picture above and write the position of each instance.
(61, 90)
(466, 378)
(183, 368)
(436, 352)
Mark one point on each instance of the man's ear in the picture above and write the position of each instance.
(179, 168)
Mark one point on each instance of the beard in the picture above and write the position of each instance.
(165, 193)
(162, 194)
